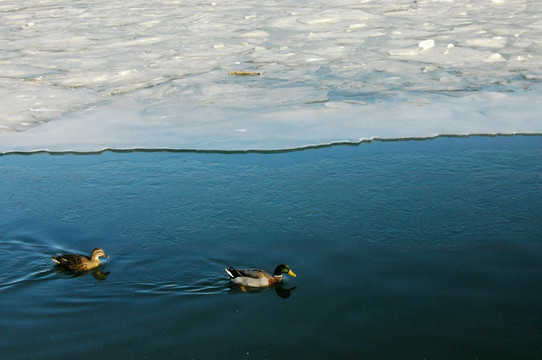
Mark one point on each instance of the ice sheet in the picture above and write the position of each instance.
(138, 74)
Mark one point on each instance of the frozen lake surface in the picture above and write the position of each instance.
(139, 74)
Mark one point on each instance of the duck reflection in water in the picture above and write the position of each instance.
(97, 273)
(279, 289)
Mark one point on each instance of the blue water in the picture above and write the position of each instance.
(407, 249)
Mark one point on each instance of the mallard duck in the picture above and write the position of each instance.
(258, 277)
(77, 262)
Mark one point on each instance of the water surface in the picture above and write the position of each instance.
(410, 249)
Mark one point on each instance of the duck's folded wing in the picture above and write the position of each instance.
(250, 273)
(69, 259)
(253, 273)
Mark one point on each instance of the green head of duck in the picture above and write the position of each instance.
(283, 269)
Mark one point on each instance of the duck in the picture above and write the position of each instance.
(258, 278)
(77, 262)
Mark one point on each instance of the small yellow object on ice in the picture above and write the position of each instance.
(243, 73)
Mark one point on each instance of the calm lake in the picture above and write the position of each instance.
(403, 250)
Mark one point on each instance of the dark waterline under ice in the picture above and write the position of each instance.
(409, 249)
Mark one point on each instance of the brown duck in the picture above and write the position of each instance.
(77, 262)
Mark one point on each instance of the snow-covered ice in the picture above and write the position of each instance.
(85, 76)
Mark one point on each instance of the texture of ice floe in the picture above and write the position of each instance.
(132, 74)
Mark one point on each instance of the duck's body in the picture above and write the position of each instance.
(258, 277)
(77, 262)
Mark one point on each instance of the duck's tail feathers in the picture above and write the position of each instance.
(232, 272)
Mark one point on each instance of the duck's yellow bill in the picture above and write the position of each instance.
(291, 273)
